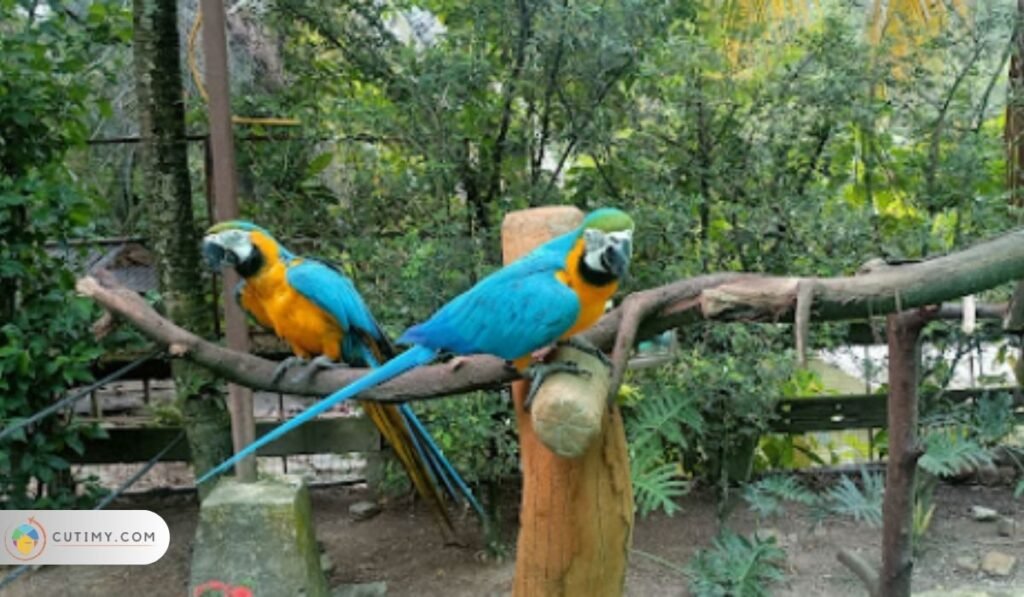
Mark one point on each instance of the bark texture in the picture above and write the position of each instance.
(903, 331)
(173, 237)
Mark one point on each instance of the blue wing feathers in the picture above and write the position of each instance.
(510, 313)
(332, 291)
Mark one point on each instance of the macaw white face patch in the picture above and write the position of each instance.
(598, 244)
(235, 241)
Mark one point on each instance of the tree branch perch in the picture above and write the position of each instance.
(643, 314)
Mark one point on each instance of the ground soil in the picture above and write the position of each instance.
(402, 547)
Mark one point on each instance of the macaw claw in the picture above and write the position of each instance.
(538, 372)
(583, 345)
(314, 367)
(284, 366)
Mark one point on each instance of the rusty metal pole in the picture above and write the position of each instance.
(225, 201)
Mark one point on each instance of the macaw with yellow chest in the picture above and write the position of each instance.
(316, 309)
(547, 296)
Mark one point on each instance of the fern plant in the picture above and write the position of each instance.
(657, 486)
(993, 417)
(736, 566)
(765, 497)
(860, 504)
(657, 430)
(664, 418)
(946, 453)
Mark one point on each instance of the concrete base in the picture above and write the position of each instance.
(258, 536)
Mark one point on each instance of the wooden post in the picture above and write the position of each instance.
(903, 331)
(576, 518)
(94, 405)
(222, 157)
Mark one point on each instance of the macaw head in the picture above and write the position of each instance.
(236, 243)
(608, 242)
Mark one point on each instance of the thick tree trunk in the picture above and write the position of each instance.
(172, 232)
(577, 514)
(903, 331)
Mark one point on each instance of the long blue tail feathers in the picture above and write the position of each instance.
(429, 452)
(414, 357)
(422, 440)
(444, 468)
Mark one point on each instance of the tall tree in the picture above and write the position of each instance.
(173, 237)
(1015, 115)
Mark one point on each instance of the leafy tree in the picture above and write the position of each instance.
(47, 80)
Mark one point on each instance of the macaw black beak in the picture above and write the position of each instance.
(616, 259)
(215, 254)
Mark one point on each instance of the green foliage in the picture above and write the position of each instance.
(860, 503)
(736, 373)
(992, 419)
(663, 420)
(656, 485)
(924, 508)
(863, 503)
(656, 431)
(703, 414)
(947, 453)
(765, 497)
(736, 566)
(45, 344)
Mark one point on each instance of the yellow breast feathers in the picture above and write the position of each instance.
(308, 329)
(592, 298)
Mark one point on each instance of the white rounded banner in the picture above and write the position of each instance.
(92, 537)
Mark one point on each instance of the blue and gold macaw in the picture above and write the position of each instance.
(316, 309)
(551, 294)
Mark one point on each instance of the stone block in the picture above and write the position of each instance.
(258, 536)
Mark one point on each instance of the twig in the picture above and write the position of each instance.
(660, 560)
(802, 319)
(863, 570)
(498, 151)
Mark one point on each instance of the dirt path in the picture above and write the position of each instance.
(401, 546)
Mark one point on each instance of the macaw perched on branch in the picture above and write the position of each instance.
(549, 295)
(313, 307)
